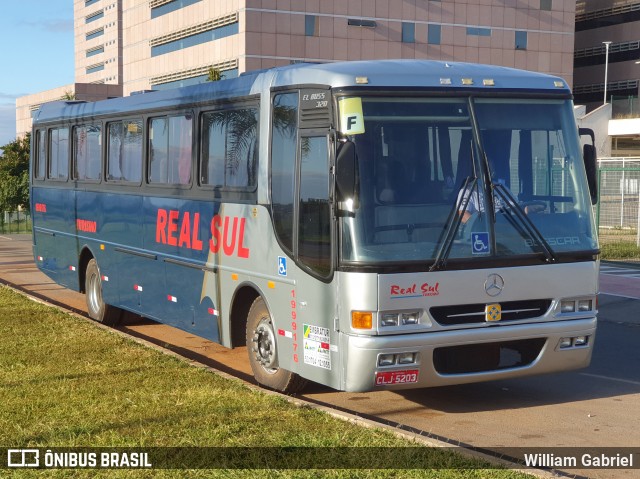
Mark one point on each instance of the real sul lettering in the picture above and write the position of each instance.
(182, 229)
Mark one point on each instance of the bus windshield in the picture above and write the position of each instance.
(467, 178)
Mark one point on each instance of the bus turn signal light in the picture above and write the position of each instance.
(361, 319)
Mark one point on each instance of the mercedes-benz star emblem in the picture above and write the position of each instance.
(494, 285)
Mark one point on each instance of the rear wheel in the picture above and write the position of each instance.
(263, 354)
(96, 307)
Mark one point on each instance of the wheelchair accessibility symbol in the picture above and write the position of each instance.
(480, 243)
(282, 266)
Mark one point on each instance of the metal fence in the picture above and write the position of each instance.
(15, 222)
(618, 209)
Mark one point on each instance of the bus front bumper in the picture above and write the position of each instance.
(466, 355)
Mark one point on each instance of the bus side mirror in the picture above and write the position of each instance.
(590, 164)
(346, 176)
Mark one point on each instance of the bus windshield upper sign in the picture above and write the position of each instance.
(351, 117)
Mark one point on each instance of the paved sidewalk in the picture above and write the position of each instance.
(619, 280)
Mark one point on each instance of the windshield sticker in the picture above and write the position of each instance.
(480, 243)
(351, 117)
(412, 291)
(317, 350)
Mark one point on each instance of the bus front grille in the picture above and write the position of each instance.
(475, 313)
(476, 358)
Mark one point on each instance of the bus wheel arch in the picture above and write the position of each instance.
(263, 354)
(86, 255)
(96, 307)
(243, 298)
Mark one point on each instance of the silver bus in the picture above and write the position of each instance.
(363, 225)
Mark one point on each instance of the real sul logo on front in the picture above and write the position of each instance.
(413, 291)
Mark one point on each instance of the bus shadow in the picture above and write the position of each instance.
(203, 355)
(522, 393)
(508, 394)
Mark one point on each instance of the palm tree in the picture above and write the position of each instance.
(214, 74)
(240, 129)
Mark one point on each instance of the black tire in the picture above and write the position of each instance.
(263, 356)
(96, 307)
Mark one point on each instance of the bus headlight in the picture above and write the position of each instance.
(568, 306)
(406, 358)
(574, 342)
(585, 305)
(389, 319)
(581, 340)
(565, 343)
(410, 318)
(394, 319)
(577, 305)
(386, 360)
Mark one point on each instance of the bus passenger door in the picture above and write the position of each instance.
(315, 292)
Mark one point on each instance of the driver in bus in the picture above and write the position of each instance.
(475, 203)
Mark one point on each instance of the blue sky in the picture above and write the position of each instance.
(36, 53)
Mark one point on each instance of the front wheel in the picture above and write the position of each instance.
(96, 307)
(263, 354)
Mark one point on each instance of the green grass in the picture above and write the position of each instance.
(618, 244)
(622, 250)
(67, 383)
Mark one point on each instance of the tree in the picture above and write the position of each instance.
(14, 175)
(214, 74)
(69, 95)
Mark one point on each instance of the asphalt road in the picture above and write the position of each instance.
(595, 407)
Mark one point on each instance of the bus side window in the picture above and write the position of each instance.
(213, 153)
(314, 226)
(284, 137)
(124, 157)
(158, 150)
(230, 146)
(59, 153)
(170, 145)
(41, 155)
(87, 152)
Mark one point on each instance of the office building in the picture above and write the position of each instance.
(603, 25)
(156, 44)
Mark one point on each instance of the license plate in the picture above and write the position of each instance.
(389, 378)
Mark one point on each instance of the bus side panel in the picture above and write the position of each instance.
(43, 242)
(57, 244)
(88, 225)
(179, 230)
(240, 236)
(316, 305)
(121, 233)
(302, 308)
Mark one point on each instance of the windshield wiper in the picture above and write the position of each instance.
(512, 203)
(454, 220)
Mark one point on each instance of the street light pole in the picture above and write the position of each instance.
(606, 69)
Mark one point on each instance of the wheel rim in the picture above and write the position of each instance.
(265, 346)
(94, 294)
